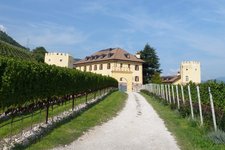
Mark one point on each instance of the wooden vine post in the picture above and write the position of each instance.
(212, 109)
(173, 97)
(169, 94)
(182, 93)
(199, 105)
(47, 111)
(178, 100)
(190, 100)
(167, 98)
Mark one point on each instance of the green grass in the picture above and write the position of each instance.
(38, 117)
(189, 135)
(70, 131)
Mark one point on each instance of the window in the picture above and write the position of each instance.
(108, 66)
(103, 55)
(95, 67)
(90, 67)
(60, 60)
(121, 79)
(49, 60)
(136, 78)
(127, 55)
(186, 78)
(136, 67)
(186, 69)
(100, 67)
(129, 66)
(110, 55)
(121, 65)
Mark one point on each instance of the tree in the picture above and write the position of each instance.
(39, 54)
(151, 63)
(156, 78)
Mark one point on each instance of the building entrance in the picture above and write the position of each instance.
(123, 84)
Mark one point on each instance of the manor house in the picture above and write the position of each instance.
(117, 63)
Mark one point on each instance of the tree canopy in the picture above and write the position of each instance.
(151, 65)
(39, 53)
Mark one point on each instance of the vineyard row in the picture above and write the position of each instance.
(204, 101)
(23, 82)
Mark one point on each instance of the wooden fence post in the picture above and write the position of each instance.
(173, 97)
(190, 100)
(213, 110)
(199, 105)
(182, 93)
(169, 94)
(47, 111)
(163, 93)
(178, 101)
(159, 90)
(166, 87)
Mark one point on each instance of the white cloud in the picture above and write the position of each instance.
(2, 28)
(50, 35)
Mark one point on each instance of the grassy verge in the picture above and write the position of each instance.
(188, 134)
(70, 131)
(38, 117)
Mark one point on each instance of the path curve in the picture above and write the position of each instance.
(137, 127)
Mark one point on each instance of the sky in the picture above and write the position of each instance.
(179, 30)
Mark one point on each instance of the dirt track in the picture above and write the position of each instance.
(137, 127)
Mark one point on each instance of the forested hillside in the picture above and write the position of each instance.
(6, 38)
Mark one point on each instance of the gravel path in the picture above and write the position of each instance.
(137, 127)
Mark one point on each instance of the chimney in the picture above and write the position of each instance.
(138, 55)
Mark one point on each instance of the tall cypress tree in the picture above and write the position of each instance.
(151, 65)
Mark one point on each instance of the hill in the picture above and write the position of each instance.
(221, 79)
(6, 38)
(10, 48)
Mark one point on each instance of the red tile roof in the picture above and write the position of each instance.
(110, 54)
(170, 79)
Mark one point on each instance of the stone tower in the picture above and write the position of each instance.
(190, 71)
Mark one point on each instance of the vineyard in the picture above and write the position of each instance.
(203, 102)
(27, 88)
(8, 50)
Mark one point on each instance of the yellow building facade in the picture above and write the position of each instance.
(117, 63)
(190, 71)
(59, 59)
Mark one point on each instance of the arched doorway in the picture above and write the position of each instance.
(123, 84)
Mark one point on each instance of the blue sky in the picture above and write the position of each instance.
(178, 29)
